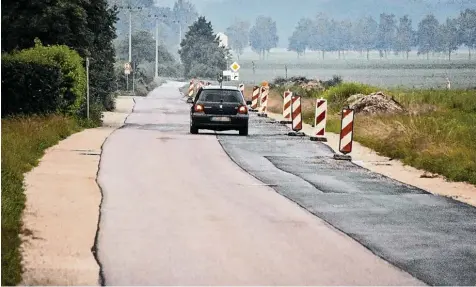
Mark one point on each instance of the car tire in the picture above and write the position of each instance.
(193, 130)
(244, 131)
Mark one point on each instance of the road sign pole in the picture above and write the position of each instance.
(127, 82)
(133, 76)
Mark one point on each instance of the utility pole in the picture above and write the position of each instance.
(130, 9)
(156, 47)
(130, 36)
(87, 87)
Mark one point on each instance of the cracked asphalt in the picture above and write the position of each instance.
(177, 210)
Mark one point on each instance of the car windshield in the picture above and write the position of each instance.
(226, 96)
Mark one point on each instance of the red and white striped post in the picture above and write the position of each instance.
(287, 107)
(191, 88)
(296, 115)
(242, 88)
(346, 134)
(254, 98)
(319, 133)
(264, 101)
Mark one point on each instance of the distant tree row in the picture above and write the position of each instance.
(387, 35)
(262, 37)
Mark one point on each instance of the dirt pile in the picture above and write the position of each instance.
(375, 103)
(301, 82)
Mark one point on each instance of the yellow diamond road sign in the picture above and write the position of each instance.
(235, 67)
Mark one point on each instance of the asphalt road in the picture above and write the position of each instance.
(177, 211)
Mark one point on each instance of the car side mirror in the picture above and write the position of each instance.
(248, 103)
(190, 101)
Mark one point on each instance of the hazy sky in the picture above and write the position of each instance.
(222, 12)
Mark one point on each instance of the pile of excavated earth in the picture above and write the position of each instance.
(375, 103)
(302, 82)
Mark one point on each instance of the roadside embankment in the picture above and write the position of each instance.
(62, 207)
(431, 144)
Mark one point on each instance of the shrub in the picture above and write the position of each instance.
(30, 88)
(338, 95)
(71, 66)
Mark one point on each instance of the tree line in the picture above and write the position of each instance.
(386, 35)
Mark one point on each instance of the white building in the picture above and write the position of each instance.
(223, 39)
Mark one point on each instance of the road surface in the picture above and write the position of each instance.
(177, 210)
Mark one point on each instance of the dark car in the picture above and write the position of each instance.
(219, 109)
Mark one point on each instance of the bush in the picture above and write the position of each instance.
(71, 65)
(338, 95)
(30, 88)
(336, 80)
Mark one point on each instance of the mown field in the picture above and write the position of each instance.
(395, 71)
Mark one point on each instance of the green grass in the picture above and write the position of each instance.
(24, 140)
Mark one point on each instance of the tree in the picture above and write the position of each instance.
(300, 39)
(386, 33)
(343, 36)
(83, 26)
(184, 14)
(101, 20)
(263, 35)
(320, 39)
(53, 22)
(404, 37)
(200, 52)
(448, 37)
(369, 34)
(238, 34)
(143, 49)
(467, 34)
(428, 30)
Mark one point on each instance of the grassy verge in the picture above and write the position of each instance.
(437, 133)
(24, 140)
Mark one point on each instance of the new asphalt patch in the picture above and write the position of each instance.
(431, 237)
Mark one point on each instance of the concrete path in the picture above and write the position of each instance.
(62, 207)
(177, 211)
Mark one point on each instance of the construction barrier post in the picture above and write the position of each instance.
(296, 116)
(242, 88)
(191, 88)
(254, 98)
(263, 109)
(319, 133)
(346, 134)
(287, 107)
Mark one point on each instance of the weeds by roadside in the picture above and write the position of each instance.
(24, 140)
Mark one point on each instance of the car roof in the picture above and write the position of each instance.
(221, 88)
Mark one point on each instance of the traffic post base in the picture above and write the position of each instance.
(342, 157)
(318, 139)
(296, 134)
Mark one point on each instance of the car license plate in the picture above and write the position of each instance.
(221, 119)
